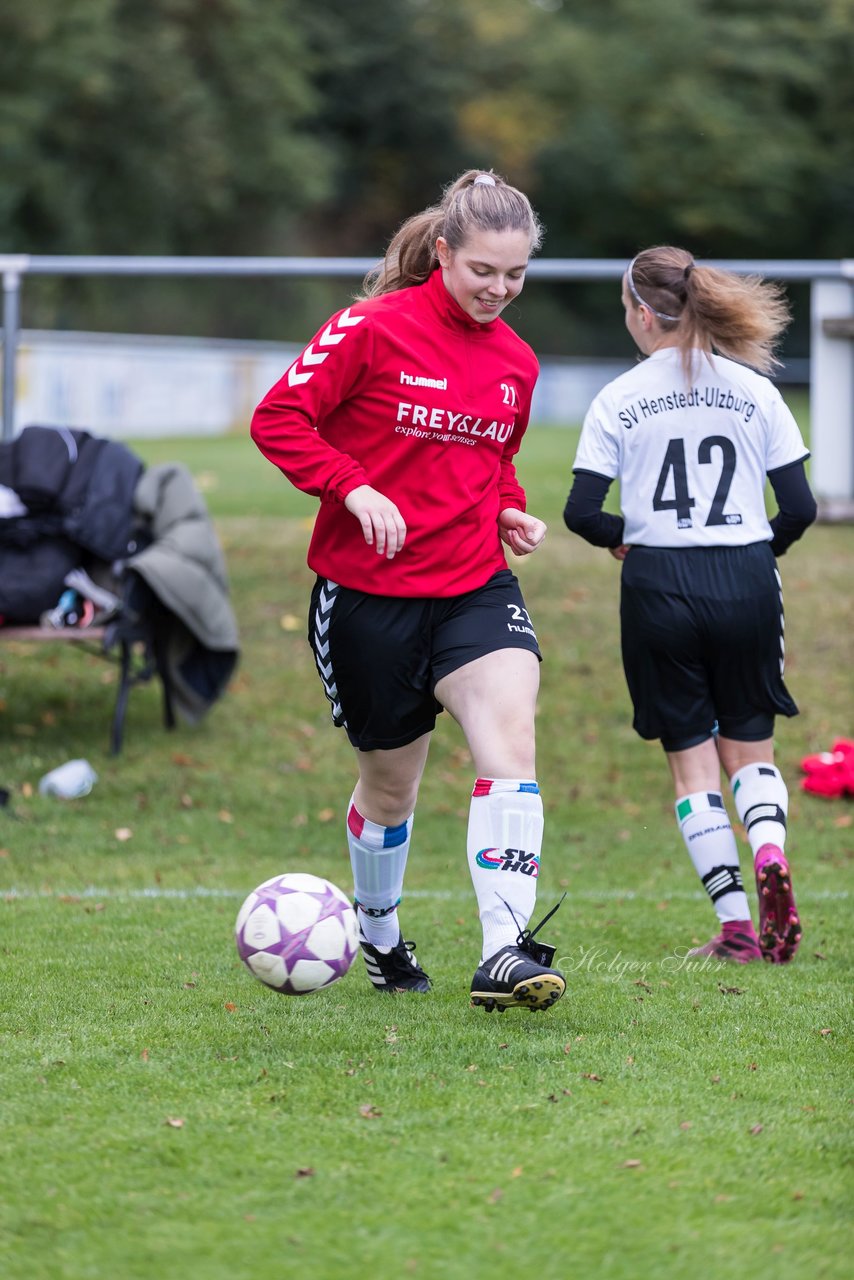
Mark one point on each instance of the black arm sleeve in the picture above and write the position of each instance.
(583, 512)
(796, 503)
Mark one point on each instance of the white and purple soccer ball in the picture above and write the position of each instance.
(297, 933)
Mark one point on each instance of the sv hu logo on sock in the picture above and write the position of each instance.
(509, 860)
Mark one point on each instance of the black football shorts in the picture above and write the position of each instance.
(702, 641)
(380, 657)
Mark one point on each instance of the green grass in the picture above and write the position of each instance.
(661, 1121)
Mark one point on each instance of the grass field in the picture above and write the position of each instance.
(164, 1115)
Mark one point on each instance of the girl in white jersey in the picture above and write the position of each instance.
(691, 434)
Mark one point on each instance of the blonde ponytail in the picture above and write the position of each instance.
(740, 317)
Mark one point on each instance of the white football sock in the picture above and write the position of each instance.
(378, 858)
(505, 837)
(710, 841)
(762, 800)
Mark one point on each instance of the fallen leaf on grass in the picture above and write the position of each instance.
(144, 1055)
(517, 1172)
(495, 1196)
(182, 760)
(826, 1031)
(369, 1112)
(589, 1075)
(225, 816)
(123, 833)
(730, 991)
(632, 1164)
(686, 1124)
(305, 1172)
(757, 1128)
(229, 1007)
(797, 1195)
(174, 1122)
(844, 820)
(819, 956)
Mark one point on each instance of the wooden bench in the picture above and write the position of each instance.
(136, 652)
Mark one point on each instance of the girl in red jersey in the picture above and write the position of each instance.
(403, 415)
(692, 435)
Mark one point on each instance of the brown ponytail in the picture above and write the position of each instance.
(467, 205)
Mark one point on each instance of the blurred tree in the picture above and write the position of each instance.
(277, 126)
(391, 79)
(720, 125)
(154, 127)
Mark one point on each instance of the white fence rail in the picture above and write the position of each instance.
(221, 370)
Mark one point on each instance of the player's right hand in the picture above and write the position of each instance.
(382, 524)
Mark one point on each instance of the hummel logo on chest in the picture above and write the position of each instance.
(412, 380)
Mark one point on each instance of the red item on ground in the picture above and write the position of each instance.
(830, 773)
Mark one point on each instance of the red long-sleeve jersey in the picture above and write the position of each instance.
(407, 393)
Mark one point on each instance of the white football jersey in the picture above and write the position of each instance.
(691, 455)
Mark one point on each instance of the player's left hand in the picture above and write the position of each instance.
(522, 533)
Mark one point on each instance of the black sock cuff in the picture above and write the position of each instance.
(764, 813)
(722, 880)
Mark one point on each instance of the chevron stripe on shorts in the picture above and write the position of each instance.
(320, 645)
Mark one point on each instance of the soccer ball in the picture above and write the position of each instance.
(297, 933)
